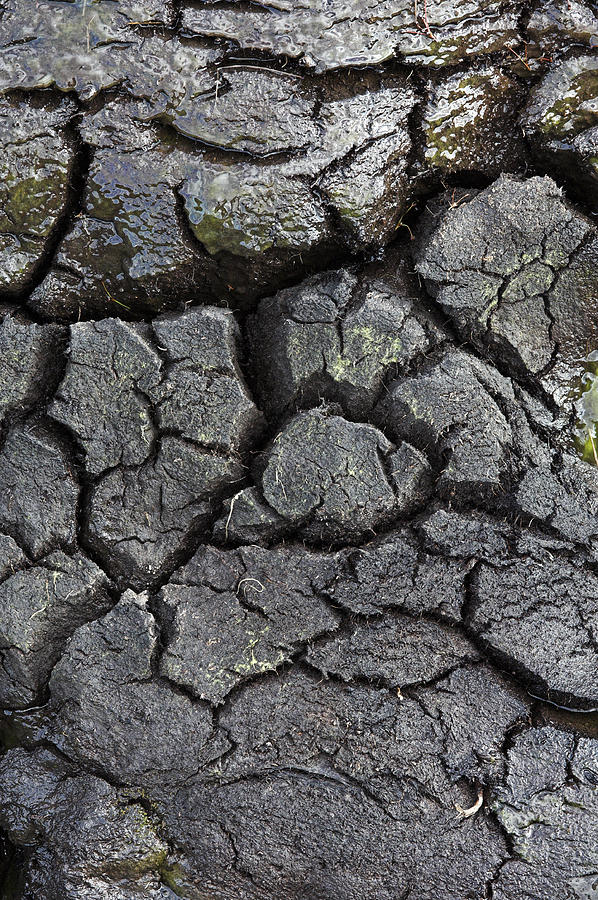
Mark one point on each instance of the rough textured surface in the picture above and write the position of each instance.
(327, 169)
(469, 122)
(398, 784)
(39, 609)
(560, 120)
(329, 478)
(453, 410)
(548, 802)
(100, 842)
(30, 363)
(141, 520)
(38, 504)
(102, 669)
(541, 616)
(298, 450)
(511, 268)
(418, 651)
(38, 160)
(338, 337)
(230, 616)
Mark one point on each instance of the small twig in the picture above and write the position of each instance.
(472, 810)
(455, 204)
(114, 300)
(216, 91)
(402, 224)
(520, 58)
(422, 22)
(260, 69)
(253, 585)
(230, 514)
(88, 30)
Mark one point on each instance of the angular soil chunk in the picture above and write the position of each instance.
(540, 618)
(475, 709)
(118, 394)
(83, 838)
(103, 46)
(550, 817)
(512, 267)
(448, 411)
(337, 479)
(354, 162)
(37, 160)
(337, 336)
(396, 650)
(560, 122)
(162, 414)
(300, 770)
(141, 521)
(30, 363)
(12, 557)
(470, 123)
(103, 397)
(554, 27)
(361, 32)
(157, 208)
(203, 395)
(40, 608)
(369, 191)
(232, 615)
(38, 501)
(394, 573)
(109, 711)
(127, 250)
(247, 519)
(566, 500)
(453, 534)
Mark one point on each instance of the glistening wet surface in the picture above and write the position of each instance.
(298, 450)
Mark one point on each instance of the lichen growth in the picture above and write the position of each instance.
(576, 107)
(585, 393)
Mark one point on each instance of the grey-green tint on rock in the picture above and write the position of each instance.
(470, 122)
(36, 167)
(318, 170)
(360, 32)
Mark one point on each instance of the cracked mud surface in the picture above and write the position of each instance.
(298, 450)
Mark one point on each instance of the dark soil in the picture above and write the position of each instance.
(298, 450)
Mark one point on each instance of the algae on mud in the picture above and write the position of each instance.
(585, 395)
(296, 578)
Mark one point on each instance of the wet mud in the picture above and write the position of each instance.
(298, 450)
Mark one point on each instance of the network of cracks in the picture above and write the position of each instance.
(298, 458)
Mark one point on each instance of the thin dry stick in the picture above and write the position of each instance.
(424, 18)
(88, 30)
(260, 69)
(472, 810)
(113, 299)
(520, 58)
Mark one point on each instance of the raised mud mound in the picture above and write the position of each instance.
(298, 450)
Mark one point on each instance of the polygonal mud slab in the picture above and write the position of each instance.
(361, 31)
(311, 170)
(38, 152)
(513, 268)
